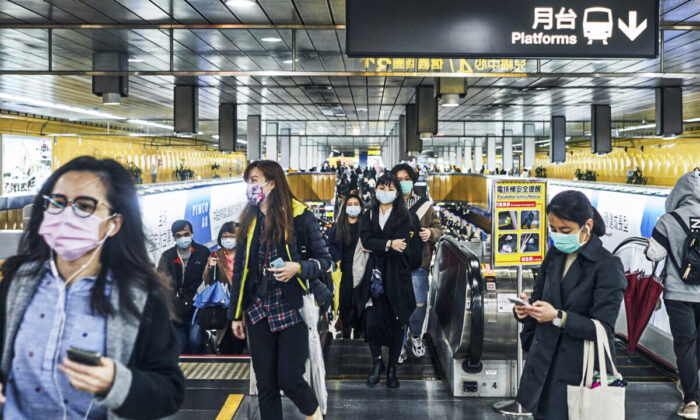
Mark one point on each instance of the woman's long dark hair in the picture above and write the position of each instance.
(575, 207)
(279, 221)
(342, 226)
(399, 205)
(124, 254)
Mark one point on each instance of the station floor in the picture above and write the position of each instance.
(651, 393)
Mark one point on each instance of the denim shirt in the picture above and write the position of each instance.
(56, 318)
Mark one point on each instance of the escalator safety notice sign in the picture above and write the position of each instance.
(518, 222)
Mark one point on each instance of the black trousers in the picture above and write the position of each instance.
(684, 318)
(345, 308)
(279, 360)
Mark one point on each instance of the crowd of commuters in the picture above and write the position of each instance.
(94, 330)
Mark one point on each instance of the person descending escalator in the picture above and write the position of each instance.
(267, 293)
(385, 298)
(672, 240)
(578, 282)
(431, 231)
(343, 239)
(220, 268)
(86, 331)
(183, 265)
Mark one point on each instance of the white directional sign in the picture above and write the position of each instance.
(632, 30)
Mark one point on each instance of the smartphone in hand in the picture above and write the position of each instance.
(84, 357)
(278, 263)
(519, 302)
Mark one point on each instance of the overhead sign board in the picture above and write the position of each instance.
(502, 28)
(518, 222)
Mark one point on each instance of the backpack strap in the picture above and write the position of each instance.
(423, 209)
(670, 255)
(680, 221)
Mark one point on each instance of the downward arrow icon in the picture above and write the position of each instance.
(632, 30)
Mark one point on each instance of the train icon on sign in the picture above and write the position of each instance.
(597, 24)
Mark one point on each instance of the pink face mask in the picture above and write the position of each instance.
(71, 236)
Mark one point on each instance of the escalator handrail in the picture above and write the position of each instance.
(476, 304)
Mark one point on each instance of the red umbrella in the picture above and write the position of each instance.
(641, 296)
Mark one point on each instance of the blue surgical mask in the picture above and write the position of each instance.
(183, 242)
(228, 243)
(386, 197)
(567, 242)
(353, 211)
(406, 187)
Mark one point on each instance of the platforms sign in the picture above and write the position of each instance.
(518, 222)
(503, 28)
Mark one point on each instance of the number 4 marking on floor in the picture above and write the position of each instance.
(632, 30)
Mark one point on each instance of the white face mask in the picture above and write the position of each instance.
(353, 211)
(228, 243)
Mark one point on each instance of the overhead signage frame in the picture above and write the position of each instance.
(505, 28)
(518, 224)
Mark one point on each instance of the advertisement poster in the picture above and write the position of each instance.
(207, 208)
(26, 164)
(626, 213)
(519, 235)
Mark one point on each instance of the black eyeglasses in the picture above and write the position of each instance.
(82, 206)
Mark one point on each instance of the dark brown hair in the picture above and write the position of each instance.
(279, 221)
(342, 226)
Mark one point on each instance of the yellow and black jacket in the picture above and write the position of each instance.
(245, 267)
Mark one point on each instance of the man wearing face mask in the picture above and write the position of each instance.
(431, 231)
(184, 264)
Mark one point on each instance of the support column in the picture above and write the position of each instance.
(294, 153)
(285, 147)
(479, 155)
(253, 138)
(303, 154)
(490, 154)
(528, 146)
(508, 150)
(460, 163)
(468, 163)
(271, 141)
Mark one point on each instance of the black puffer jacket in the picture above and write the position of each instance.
(319, 261)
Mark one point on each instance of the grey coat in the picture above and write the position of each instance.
(669, 236)
(145, 375)
(592, 289)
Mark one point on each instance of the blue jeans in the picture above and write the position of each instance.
(420, 289)
(190, 337)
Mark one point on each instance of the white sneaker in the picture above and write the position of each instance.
(688, 411)
(417, 346)
(403, 356)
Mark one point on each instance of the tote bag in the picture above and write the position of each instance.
(601, 403)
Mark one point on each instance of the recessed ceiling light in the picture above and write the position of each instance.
(290, 61)
(151, 124)
(135, 60)
(240, 3)
(271, 39)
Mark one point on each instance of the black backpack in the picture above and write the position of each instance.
(689, 266)
(326, 278)
(415, 244)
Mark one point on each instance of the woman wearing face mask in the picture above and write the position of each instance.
(385, 231)
(578, 281)
(265, 300)
(343, 238)
(83, 279)
(220, 268)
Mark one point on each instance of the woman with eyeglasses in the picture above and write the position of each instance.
(86, 329)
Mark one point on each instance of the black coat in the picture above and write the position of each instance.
(170, 265)
(396, 273)
(593, 288)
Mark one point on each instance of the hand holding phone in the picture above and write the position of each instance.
(277, 263)
(84, 357)
(519, 302)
